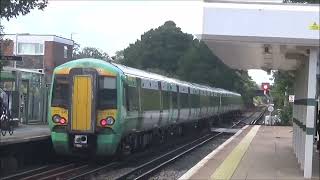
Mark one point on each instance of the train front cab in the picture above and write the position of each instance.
(84, 112)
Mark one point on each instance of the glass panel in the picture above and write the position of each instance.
(65, 52)
(107, 93)
(184, 100)
(132, 99)
(150, 99)
(35, 98)
(60, 91)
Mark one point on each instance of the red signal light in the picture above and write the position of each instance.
(265, 86)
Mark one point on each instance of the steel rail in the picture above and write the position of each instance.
(157, 163)
(26, 173)
(109, 165)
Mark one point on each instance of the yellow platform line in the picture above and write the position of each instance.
(230, 164)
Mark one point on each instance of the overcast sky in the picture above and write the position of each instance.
(111, 26)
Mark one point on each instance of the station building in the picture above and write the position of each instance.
(273, 36)
(27, 82)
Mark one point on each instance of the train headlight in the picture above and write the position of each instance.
(107, 122)
(110, 120)
(56, 118)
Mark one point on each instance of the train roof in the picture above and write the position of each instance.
(149, 75)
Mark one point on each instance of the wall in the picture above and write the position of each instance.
(54, 56)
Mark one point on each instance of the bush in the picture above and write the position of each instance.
(286, 116)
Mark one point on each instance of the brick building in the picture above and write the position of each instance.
(26, 83)
(39, 52)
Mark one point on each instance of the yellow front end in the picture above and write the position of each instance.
(81, 103)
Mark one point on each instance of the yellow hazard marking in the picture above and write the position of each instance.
(314, 26)
(230, 164)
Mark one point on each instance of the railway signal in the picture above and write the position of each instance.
(265, 87)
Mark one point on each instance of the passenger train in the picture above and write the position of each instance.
(102, 108)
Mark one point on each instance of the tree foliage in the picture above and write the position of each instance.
(90, 52)
(281, 89)
(168, 51)
(13, 8)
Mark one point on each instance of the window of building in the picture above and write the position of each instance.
(65, 52)
(30, 49)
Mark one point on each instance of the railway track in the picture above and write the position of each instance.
(73, 170)
(147, 169)
(256, 120)
(39, 172)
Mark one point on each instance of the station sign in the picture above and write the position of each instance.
(11, 58)
(270, 108)
(291, 98)
(314, 26)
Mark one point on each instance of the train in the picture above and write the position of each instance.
(102, 108)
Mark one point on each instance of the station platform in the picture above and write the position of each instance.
(254, 152)
(26, 133)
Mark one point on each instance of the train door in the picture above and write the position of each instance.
(81, 103)
(82, 116)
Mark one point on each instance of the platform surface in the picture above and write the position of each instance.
(269, 155)
(26, 133)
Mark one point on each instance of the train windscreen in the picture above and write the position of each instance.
(107, 93)
(60, 92)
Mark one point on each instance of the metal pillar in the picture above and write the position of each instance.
(310, 113)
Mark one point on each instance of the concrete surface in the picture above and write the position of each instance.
(26, 133)
(269, 156)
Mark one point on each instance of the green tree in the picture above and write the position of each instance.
(168, 51)
(13, 8)
(281, 89)
(158, 48)
(118, 57)
(90, 52)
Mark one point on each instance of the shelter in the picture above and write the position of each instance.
(272, 36)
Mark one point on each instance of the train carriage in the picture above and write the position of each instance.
(100, 108)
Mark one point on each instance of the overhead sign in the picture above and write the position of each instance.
(11, 58)
(291, 98)
(314, 26)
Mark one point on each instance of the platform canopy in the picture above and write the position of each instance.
(269, 36)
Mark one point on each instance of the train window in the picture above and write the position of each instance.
(165, 99)
(132, 99)
(174, 100)
(60, 91)
(150, 99)
(107, 93)
(184, 100)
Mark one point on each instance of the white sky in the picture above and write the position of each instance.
(111, 26)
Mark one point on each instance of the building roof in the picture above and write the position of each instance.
(38, 38)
